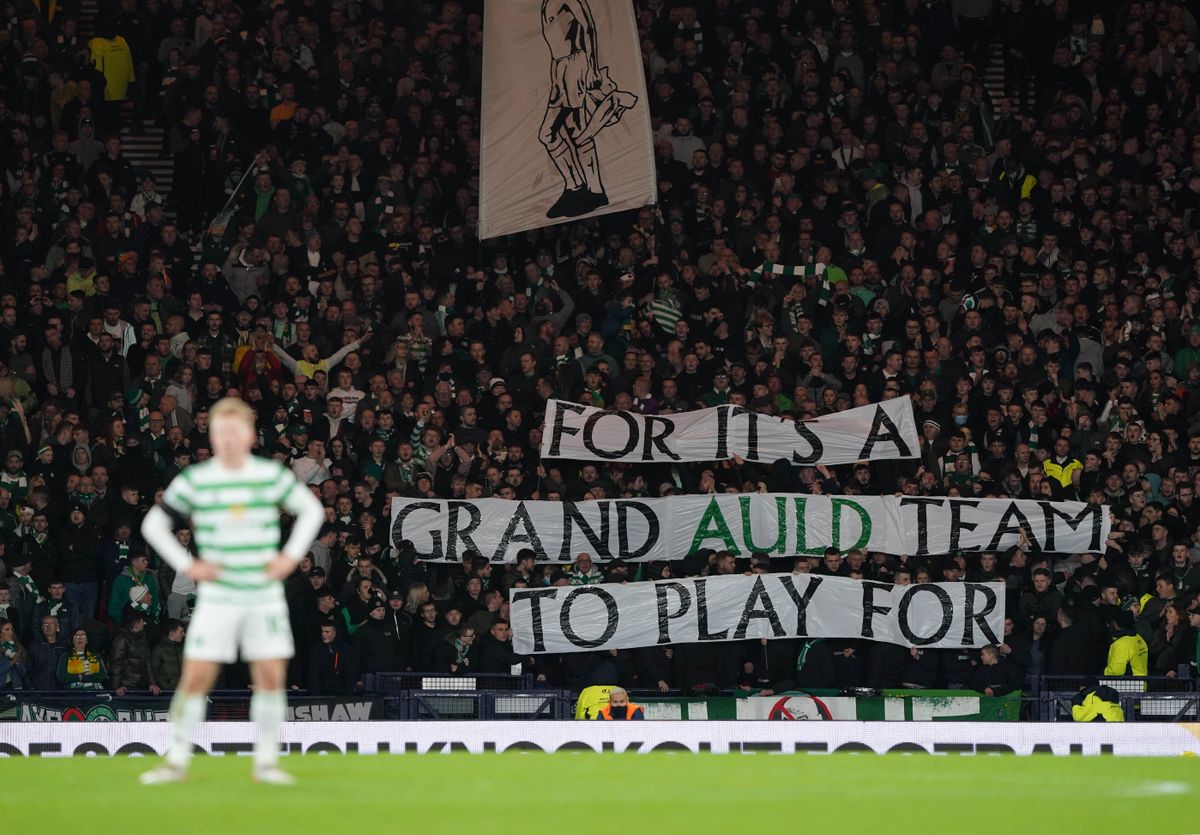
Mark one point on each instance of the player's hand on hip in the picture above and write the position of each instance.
(203, 572)
(281, 567)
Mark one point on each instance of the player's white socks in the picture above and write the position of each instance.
(267, 711)
(187, 712)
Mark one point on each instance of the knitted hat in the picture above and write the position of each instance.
(136, 593)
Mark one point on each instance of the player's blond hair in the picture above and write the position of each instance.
(233, 406)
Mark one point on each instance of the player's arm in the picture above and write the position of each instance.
(158, 530)
(299, 501)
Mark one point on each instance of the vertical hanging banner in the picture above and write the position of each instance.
(566, 120)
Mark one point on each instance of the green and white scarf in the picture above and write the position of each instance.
(666, 310)
(767, 268)
(26, 582)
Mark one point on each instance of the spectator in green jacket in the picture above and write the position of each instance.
(137, 573)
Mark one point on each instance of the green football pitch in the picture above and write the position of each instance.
(570, 793)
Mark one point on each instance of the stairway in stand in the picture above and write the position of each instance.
(145, 152)
(88, 10)
(993, 76)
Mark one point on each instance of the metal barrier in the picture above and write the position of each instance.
(396, 684)
(1143, 698)
(420, 705)
(425, 696)
(1162, 707)
(143, 706)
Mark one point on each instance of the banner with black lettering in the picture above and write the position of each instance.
(739, 607)
(566, 120)
(776, 524)
(876, 432)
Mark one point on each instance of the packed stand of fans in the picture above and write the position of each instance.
(1022, 267)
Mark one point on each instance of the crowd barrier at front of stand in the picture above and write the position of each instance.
(1143, 698)
(427, 697)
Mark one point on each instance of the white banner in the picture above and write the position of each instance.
(775, 524)
(566, 119)
(737, 607)
(1133, 739)
(877, 432)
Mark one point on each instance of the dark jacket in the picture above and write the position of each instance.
(1003, 677)
(377, 649)
(1167, 654)
(1044, 605)
(1072, 653)
(445, 653)
(43, 661)
(774, 662)
(129, 661)
(66, 614)
(957, 668)
(814, 666)
(166, 663)
(706, 665)
(45, 558)
(920, 668)
(327, 668)
(421, 642)
(496, 656)
(80, 550)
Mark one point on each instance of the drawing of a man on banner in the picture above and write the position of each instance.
(584, 100)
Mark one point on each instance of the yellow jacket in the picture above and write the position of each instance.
(1127, 656)
(1061, 472)
(1098, 705)
(112, 57)
(591, 700)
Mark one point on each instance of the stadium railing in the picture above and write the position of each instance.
(393, 684)
(144, 706)
(1143, 698)
(418, 705)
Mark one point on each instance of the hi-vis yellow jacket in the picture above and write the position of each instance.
(1127, 656)
(1099, 704)
(591, 700)
(1061, 472)
(112, 57)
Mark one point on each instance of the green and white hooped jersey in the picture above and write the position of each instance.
(235, 520)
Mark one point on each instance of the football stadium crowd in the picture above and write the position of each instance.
(1019, 260)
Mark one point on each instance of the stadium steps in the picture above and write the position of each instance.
(145, 152)
(88, 10)
(993, 77)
